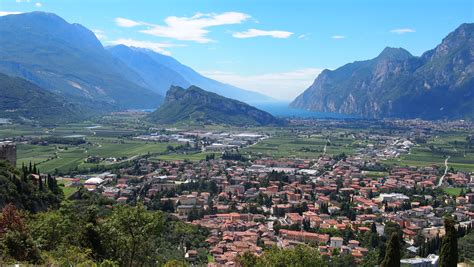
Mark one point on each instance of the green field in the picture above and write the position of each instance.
(453, 191)
(189, 156)
(112, 138)
(300, 147)
(65, 158)
(68, 191)
(436, 150)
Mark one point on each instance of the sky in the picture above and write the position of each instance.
(274, 47)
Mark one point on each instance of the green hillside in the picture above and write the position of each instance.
(195, 105)
(21, 100)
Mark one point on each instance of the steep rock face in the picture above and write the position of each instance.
(196, 105)
(69, 60)
(439, 84)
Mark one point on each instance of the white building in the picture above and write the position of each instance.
(430, 261)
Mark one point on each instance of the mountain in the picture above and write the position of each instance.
(68, 60)
(156, 75)
(20, 99)
(439, 84)
(196, 105)
(161, 72)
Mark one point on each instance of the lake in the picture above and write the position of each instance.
(281, 109)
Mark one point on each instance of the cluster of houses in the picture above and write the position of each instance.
(286, 202)
(252, 205)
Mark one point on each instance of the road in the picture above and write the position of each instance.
(445, 172)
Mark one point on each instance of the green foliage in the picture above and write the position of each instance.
(198, 106)
(175, 263)
(21, 98)
(16, 244)
(466, 248)
(130, 234)
(85, 231)
(27, 192)
(392, 254)
(300, 255)
(233, 155)
(449, 245)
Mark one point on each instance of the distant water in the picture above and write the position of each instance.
(281, 109)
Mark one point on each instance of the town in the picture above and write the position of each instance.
(341, 204)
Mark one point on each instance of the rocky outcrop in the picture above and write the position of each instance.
(439, 84)
(194, 105)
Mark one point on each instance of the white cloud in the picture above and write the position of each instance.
(23, 1)
(280, 85)
(99, 34)
(4, 13)
(251, 33)
(157, 47)
(126, 23)
(402, 30)
(38, 4)
(338, 37)
(187, 28)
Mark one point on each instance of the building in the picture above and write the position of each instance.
(430, 261)
(305, 237)
(8, 152)
(336, 242)
(92, 183)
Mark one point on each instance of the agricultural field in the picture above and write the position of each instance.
(437, 149)
(189, 156)
(301, 147)
(453, 191)
(68, 157)
(111, 137)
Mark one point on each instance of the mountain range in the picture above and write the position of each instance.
(438, 84)
(69, 61)
(71, 66)
(195, 105)
(21, 99)
(161, 72)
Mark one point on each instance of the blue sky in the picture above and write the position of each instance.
(275, 47)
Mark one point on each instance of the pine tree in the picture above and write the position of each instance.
(24, 177)
(449, 245)
(40, 183)
(34, 169)
(392, 255)
(373, 228)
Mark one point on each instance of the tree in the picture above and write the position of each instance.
(370, 260)
(131, 233)
(300, 255)
(175, 263)
(466, 248)
(15, 240)
(392, 254)
(449, 245)
(247, 259)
